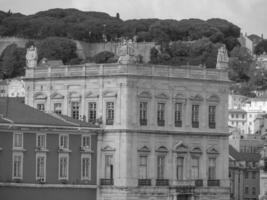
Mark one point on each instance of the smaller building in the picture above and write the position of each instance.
(236, 101)
(246, 42)
(45, 156)
(3, 88)
(244, 173)
(238, 119)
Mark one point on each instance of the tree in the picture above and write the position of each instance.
(104, 57)
(12, 61)
(57, 48)
(261, 47)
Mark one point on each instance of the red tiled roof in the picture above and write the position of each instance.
(19, 113)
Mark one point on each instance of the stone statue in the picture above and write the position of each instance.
(222, 58)
(31, 57)
(126, 52)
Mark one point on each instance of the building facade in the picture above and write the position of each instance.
(165, 128)
(45, 156)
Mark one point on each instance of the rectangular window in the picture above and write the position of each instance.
(195, 116)
(161, 113)
(18, 140)
(41, 106)
(160, 166)
(64, 141)
(143, 113)
(178, 114)
(253, 190)
(180, 168)
(86, 141)
(246, 175)
(41, 141)
(246, 190)
(212, 116)
(58, 108)
(108, 166)
(143, 167)
(92, 111)
(75, 110)
(40, 166)
(86, 167)
(17, 165)
(254, 175)
(63, 166)
(212, 169)
(195, 168)
(109, 113)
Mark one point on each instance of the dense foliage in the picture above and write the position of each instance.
(98, 27)
(261, 47)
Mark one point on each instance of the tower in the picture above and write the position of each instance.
(31, 57)
(222, 58)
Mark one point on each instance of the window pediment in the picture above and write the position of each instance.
(40, 96)
(145, 94)
(91, 95)
(108, 148)
(196, 150)
(162, 96)
(196, 98)
(162, 149)
(212, 150)
(180, 148)
(109, 94)
(213, 98)
(56, 95)
(74, 95)
(180, 97)
(144, 149)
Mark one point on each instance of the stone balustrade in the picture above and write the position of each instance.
(87, 70)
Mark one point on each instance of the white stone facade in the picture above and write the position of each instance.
(124, 139)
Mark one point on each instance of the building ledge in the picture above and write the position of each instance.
(46, 185)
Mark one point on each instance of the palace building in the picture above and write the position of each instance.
(165, 132)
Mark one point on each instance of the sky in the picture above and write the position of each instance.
(249, 15)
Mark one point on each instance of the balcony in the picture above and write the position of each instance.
(105, 181)
(178, 123)
(195, 124)
(214, 182)
(162, 182)
(199, 183)
(109, 122)
(212, 125)
(143, 122)
(144, 182)
(161, 122)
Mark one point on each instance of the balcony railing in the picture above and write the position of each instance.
(109, 122)
(161, 122)
(212, 125)
(144, 182)
(213, 182)
(143, 122)
(104, 181)
(178, 123)
(199, 183)
(162, 182)
(195, 124)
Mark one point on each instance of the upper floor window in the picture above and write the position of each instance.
(86, 167)
(246, 190)
(109, 166)
(254, 175)
(40, 166)
(58, 108)
(41, 141)
(92, 111)
(161, 113)
(180, 168)
(253, 190)
(212, 116)
(246, 175)
(63, 166)
(143, 166)
(178, 114)
(160, 166)
(212, 169)
(75, 110)
(64, 141)
(195, 116)
(109, 113)
(41, 106)
(86, 141)
(195, 168)
(143, 113)
(18, 140)
(17, 165)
